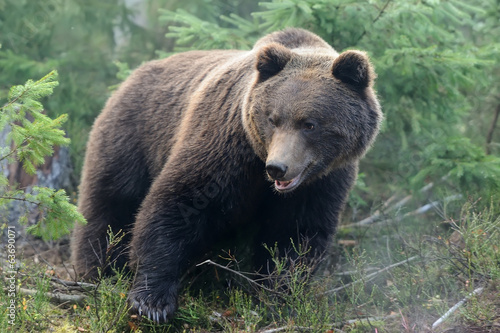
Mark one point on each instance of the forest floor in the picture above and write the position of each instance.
(392, 275)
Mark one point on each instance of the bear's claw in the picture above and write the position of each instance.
(155, 309)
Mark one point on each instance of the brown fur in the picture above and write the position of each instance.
(179, 153)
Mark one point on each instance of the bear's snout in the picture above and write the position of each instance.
(287, 160)
(276, 170)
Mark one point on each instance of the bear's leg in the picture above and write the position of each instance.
(91, 249)
(169, 234)
(110, 194)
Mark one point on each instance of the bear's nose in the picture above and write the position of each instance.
(276, 170)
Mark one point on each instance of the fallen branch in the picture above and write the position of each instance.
(333, 326)
(379, 212)
(346, 273)
(73, 283)
(286, 328)
(421, 210)
(365, 320)
(386, 208)
(448, 313)
(57, 298)
(370, 276)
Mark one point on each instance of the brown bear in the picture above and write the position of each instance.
(195, 146)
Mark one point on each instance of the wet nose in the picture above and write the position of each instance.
(276, 170)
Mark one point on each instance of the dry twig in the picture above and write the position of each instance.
(237, 273)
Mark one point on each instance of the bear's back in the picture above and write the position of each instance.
(155, 98)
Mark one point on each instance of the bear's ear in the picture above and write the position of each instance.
(271, 59)
(354, 67)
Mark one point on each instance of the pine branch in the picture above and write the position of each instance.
(373, 22)
(8, 155)
(20, 97)
(20, 199)
(14, 150)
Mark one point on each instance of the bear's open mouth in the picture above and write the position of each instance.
(289, 185)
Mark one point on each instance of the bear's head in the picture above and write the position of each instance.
(309, 112)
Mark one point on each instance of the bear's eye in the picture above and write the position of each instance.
(309, 126)
(272, 122)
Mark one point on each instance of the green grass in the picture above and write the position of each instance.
(354, 293)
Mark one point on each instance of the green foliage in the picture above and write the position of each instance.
(466, 165)
(57, 214)
(107, 308)
(210, 35)
(33, 136)
(33, 140)
(297, 298)
(31, 308)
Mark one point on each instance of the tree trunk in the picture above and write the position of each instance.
(489, 138)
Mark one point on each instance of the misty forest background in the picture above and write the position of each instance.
(438, 66)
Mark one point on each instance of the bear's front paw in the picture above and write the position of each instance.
(158, 304)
